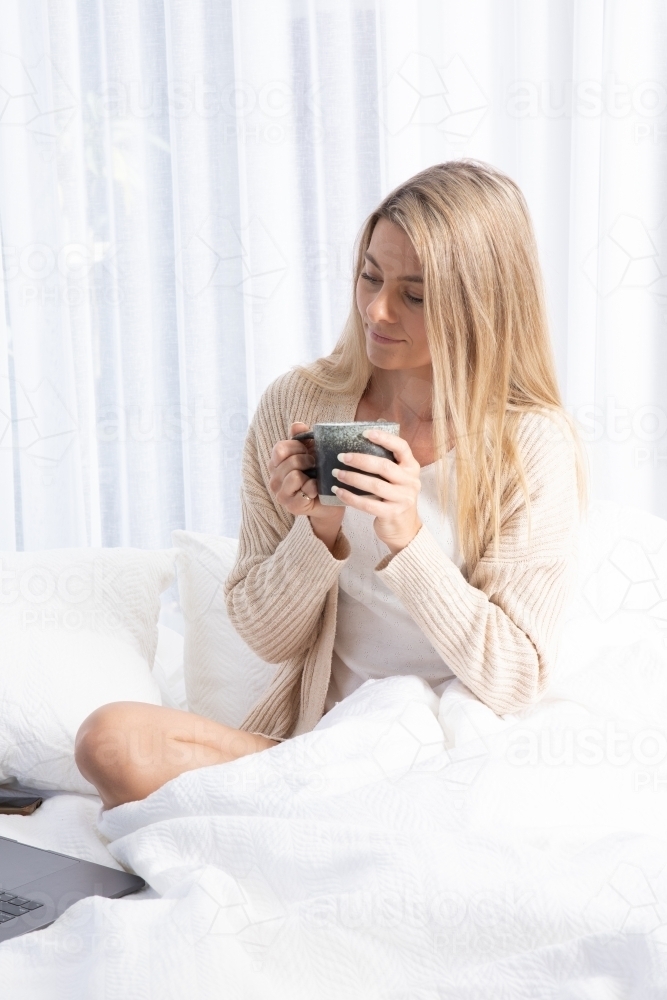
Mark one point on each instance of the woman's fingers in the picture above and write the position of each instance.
(393, 489)
(288, 455)
(380, 488)
(284, 449)
(378, 466)
(294, 465)
(369, 505)
(297, 494)
(398, 445)
(294, 483)
(299, 461)
(278, 472)
(393, 471)
(309, 488)
(393, 498)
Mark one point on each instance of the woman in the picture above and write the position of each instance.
(461, 559)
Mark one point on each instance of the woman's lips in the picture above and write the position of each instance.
(382, 340)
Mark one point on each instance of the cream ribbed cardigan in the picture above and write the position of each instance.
(494, 623)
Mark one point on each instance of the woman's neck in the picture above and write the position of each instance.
(400, 394)
(403, 396)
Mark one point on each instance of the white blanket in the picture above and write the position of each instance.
(65, 822)
(403, 849)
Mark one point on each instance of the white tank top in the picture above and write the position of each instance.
(375, 635)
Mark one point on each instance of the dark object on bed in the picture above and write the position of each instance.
(18, 800)
(37, 885)
(23, 796)
(18, 803)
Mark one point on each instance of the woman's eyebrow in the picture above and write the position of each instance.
(402, 277)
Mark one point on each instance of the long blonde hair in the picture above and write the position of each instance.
(486, 325)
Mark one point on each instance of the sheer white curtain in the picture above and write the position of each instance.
(181, 182)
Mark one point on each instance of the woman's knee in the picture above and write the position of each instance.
(102, 740)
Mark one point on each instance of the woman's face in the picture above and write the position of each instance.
(389, 300)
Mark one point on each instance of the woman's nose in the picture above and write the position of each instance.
(380, 308)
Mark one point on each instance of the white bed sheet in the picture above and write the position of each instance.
(399, 850)
(407, 849)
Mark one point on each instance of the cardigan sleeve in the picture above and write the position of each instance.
(276, 591)
(497, 631)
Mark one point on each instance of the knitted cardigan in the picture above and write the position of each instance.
(494, 623)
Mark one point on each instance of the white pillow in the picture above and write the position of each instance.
(223, 676)
(49, 683)
(110, 591)
(78, 629)
(168, 668)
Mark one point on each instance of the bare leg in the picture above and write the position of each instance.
(128, 749)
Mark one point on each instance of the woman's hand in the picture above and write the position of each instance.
(394, 503)
(289, 483)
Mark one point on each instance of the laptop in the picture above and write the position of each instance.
(37, 885)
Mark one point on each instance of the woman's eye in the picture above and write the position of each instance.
(378, 281)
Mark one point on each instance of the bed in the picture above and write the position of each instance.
(408, 847)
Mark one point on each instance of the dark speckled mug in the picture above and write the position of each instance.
(332, 439)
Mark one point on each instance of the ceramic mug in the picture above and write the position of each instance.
(332, 439)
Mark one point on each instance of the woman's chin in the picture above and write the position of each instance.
(379, 356)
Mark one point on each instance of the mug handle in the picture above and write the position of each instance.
(306, 436)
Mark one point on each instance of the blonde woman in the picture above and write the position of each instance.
(460, 561)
